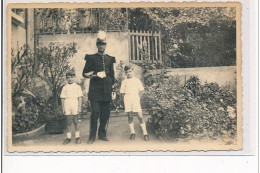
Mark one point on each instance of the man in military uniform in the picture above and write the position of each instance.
(99, 68)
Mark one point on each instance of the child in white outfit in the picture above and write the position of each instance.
(71, 100)
(130, 89)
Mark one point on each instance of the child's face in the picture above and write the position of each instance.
(129, 73)
(70, 79)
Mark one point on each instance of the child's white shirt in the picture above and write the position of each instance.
(131, 86)
(71, 91)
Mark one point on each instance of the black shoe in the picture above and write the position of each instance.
(91, 141)
(132, 136)
(66, 141)
(78, 140)
(146, 138)
(103, 138)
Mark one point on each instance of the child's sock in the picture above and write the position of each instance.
(69, 135)
(132, 129)
(77, 134)
(143, 128)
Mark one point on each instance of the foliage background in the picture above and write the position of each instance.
(191, 37)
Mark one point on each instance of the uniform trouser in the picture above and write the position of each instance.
(100, 109)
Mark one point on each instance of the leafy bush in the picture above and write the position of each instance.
(54, 63)
(27, 115)
(22, 69)
(25, 105)
(190, 111)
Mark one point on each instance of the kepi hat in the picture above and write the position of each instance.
(101, 38)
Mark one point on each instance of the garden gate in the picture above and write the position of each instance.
(144, 45)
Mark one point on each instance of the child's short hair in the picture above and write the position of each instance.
(70, 73)
(128, 67)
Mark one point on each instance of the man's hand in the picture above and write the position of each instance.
(101, 74)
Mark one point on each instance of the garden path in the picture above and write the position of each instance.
(118, 131)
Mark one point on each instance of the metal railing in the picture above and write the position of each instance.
(66, 21)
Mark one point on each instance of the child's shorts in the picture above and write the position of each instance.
(71, 106)
(132, 103)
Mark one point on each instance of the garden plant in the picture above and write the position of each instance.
(54, 62)
(33, 76)
(25, 104)
(192, 110)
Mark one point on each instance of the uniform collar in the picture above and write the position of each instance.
(100, 54)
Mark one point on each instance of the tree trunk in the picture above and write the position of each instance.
(55, 100)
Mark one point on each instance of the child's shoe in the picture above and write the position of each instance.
(146, 138)
(66, 141)
(78, 140)
(132, 136)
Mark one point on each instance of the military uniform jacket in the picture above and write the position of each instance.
(100, 88)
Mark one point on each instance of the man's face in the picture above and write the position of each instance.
(129, 73)
(70, 79)
(101, 47)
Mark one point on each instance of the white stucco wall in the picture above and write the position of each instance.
(221, 75)
(117, 45)
(18, 36)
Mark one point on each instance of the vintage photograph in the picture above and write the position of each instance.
(107, 77)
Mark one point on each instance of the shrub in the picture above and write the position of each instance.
(25, 104)
(190, 111)
(54, 63)
(27, 115)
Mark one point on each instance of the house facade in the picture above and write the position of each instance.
(22, 30)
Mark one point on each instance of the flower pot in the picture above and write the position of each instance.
(55, 126)
(27, 135)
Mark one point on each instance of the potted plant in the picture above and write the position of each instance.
(54, 62)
